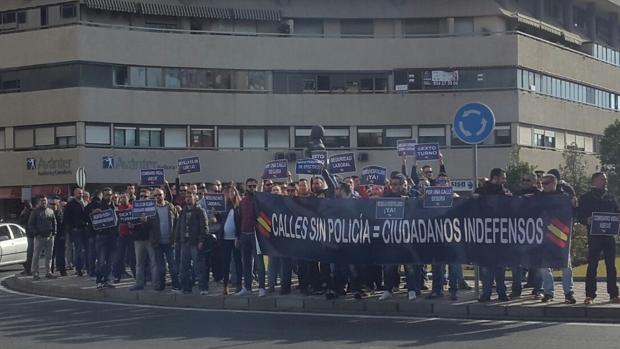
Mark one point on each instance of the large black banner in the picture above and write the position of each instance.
(503, 231)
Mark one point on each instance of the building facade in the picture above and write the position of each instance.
(117, 85)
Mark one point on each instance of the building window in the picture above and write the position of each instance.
(544, 138)
(175, 137)
(8, 17)
(432, 134)
(278, 138)
(97, 134)
(421, 26)
(154, 77)
(337, 137)
(65, 135)
(362, 28)
(44, 136)
(23, 138)
(68, 11)
(150, 137)
(2, 139)
(381, 137)
(503, 134)
(575, 142)
(21, 17)
(253, 138)
(125, 136)
(229, 138)
(172, 78)
(202, 138)
(309, 27)
(464, 25)
(13, 85)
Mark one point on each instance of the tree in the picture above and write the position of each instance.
(516, 169)
(574, 169)
(610, 155)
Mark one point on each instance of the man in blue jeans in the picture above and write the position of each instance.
(105, 243)
(191, 235)
(246, 237)
(164, 222)
(74, 222)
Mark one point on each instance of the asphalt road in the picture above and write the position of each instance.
(33, 322)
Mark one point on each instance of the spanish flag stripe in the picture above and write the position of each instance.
(559, 234)
(262, 231)
(561, 226)
(264, 216)
(556, 241)
(264, 224)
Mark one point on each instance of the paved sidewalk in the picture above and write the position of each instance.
(524, 308)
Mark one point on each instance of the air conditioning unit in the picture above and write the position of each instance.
(362, 157)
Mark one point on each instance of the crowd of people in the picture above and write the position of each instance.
(192, 247)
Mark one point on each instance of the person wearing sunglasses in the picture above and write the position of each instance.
(550, 187)
(163, 224)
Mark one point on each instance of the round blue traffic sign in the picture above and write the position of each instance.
(474, 123)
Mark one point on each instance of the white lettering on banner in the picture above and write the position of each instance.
(505, 231)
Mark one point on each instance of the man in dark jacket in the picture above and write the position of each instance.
(59, 239)
(42, 224)
(495, 186)
(191, 233)
(105, 243)
(89, 234)
(145, 239)
(74, 225)
(163, 224)
(598, 199)
(24, 216)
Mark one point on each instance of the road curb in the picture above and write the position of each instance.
(471, 310)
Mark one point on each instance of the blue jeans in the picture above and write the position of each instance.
(488, 275)
(91, 256)
(145, 251)
(439, 274)
(104, 245)
(191, 256)
(248, 253)
(275, 269)
(567, 280)
(165, 255)
(125, 254)
(229, 251)
(80, 244)
(413, 274)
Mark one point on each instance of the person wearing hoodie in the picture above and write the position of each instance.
(599, 199)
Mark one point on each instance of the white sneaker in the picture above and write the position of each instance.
(243, 292)
(204, 293)
(412, 296)
(386, 295)
(262, 292)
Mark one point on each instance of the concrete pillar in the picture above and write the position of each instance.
(540, 9)
(353, 137)
(613, 24)
(591, 20)
(8, 138)
(567, 11)
(80, 133)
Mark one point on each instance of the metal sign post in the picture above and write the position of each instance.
(473, 124)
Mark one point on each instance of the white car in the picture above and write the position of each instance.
(13, 244)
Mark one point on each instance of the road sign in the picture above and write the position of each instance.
(80, 177)
(474, 123)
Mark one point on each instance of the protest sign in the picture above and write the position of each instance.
(438, 197)
(152, 177)
(604, 223)
(426, 152)
(342, 163)
(189, 165)
(277, 169)
(406, 147)
(103, 219)
(309, 167)
(144, 208)
(373, 175)
(213, 202)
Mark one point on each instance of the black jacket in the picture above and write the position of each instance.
(74, 215)
(492, 189)
(192, 226)
(596, 200)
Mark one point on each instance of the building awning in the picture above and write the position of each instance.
(112, 5)
(257, 15)
(159, 9)
(538, 24)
